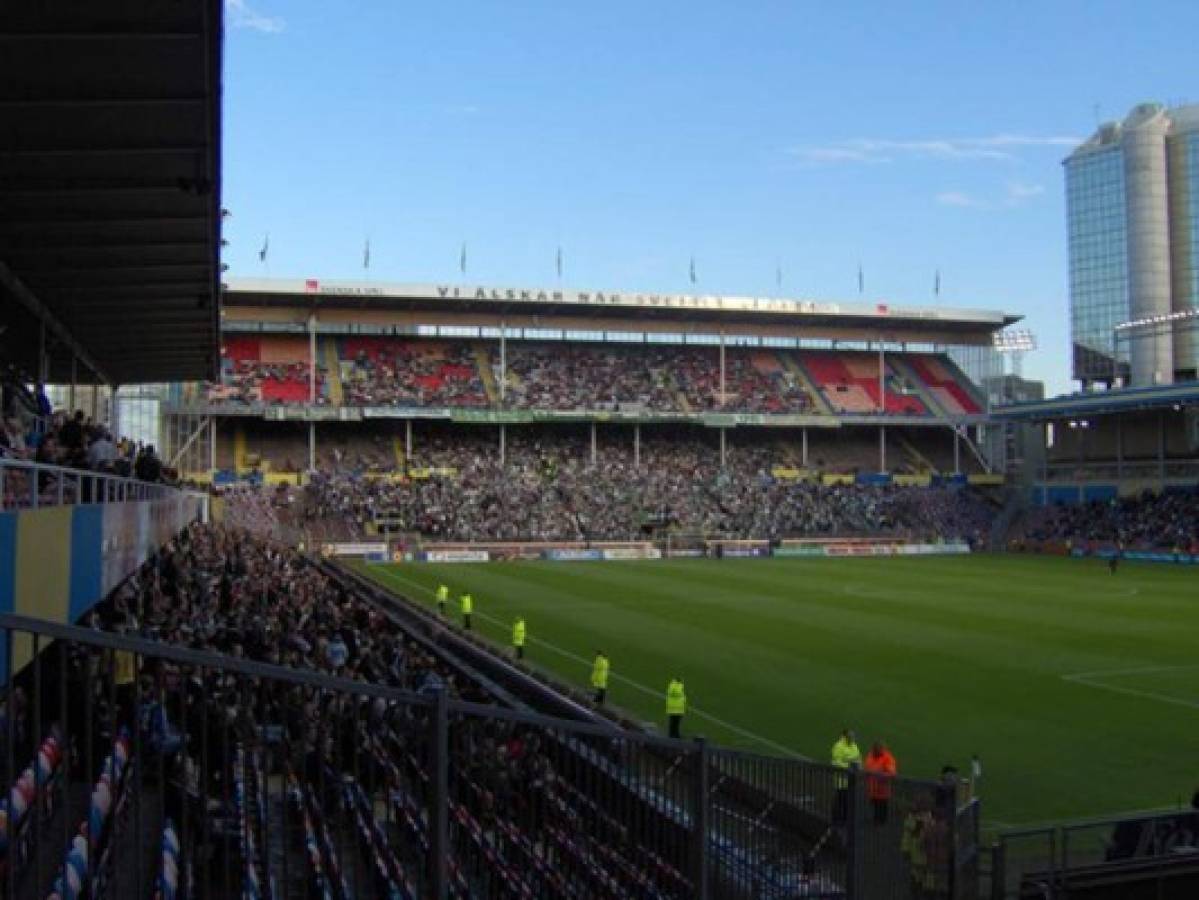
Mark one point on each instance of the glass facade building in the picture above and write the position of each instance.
(1132, 201)
(1098, 241)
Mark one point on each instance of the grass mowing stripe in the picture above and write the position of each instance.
(774, 746)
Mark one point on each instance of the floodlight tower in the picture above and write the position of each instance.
(1012, 344)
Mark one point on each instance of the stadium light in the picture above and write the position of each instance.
(1017, 340)
(1159, 320)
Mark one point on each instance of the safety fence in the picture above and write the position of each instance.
(1151, 855)
(32, 485)
(141, 769)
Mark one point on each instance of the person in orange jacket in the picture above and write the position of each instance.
(880, 768)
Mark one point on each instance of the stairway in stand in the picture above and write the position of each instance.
(487, 374)
(332, 371)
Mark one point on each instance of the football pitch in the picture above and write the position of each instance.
(1079, 690)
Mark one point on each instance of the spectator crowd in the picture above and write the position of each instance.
(252, 382)
(547, 488)
(564, 377)
(1167, 522)
(74, 442)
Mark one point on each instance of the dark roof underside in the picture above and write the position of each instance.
(110, 122)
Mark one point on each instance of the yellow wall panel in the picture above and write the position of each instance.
(43, 582)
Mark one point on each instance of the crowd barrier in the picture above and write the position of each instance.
(31, 485)
(1149, 855)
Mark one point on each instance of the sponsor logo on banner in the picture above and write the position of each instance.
(572, 555)
(455, 556)
(356, 549)
(859, 549)
(948, 548)
(1182, 559)
(745, 552)
(633, 553)
(685, 554)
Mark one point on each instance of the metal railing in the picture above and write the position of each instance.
(1064, 860)
(31, 485)
(140, 766)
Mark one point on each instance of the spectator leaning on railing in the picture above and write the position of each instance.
(72, 442)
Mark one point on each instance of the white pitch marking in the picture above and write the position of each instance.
(764, 741)
(1087, 679)
(1143, 670)
(866, 593)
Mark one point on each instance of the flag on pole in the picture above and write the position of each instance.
(559, 262)
(266, 248)
(693, 270)
(778, 275)
(861, 280)
(937, 284)
(366, 254)
(462, 259)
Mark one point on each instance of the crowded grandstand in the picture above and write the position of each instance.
(617, 417)
(288, 592)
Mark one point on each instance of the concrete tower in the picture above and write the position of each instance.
(1143, 141)
(1183, 155)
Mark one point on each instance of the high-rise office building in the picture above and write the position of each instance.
(1132, 201)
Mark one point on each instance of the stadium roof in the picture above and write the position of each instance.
(110, 186)
(563, 301)
(1101, 403)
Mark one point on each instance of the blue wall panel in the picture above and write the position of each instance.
(8, 561)
(87, 552)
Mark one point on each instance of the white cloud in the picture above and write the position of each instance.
(242, 16)
(1016, 193)
(956, 198)
(841, 154)
(991, 148)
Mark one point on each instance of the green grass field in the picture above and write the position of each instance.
(1078, 689)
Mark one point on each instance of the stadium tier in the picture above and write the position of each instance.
(548, 486)
(386, 372)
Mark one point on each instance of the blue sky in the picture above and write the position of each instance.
(910, 137)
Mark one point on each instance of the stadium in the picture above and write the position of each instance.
(332, 588)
